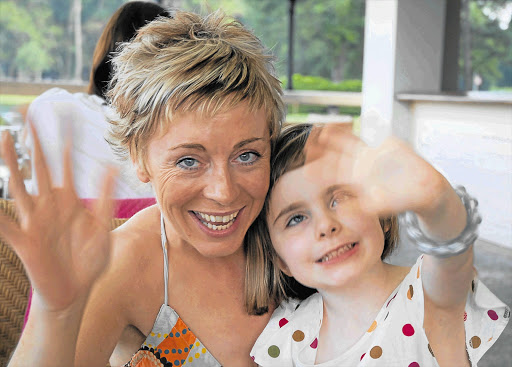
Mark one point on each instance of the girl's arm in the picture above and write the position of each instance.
(392, 179)
(446, 280)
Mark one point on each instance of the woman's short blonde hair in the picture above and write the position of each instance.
(188, 63)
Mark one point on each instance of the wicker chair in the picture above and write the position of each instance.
(14, 290)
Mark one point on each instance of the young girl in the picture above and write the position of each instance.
(330, 217)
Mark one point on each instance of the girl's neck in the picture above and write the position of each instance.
(367, 293)
(349, 311)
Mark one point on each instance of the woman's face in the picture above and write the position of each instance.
(211, 176)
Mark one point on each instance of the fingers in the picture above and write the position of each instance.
(10, 231)
(44, 183)
(68, 179)
(16, 183)
(103, 207)
(332, 138)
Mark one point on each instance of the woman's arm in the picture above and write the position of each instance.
(64, 248)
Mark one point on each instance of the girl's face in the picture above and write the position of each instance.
(323, 238)
(211, 176)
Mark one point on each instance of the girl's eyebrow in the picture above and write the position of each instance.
(288, 209)
(333, 188)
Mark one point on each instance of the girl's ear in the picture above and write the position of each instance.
(283, 267)
(387, 227)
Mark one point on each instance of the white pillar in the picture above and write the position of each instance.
(403, 52)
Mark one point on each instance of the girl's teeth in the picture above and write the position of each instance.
(340, 251)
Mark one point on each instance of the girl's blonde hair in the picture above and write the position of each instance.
(265, 283)
(188, 64)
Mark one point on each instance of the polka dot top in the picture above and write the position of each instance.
(171, 343)
(395, 338)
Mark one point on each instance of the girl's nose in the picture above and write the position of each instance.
(328, 231)
(328, 224)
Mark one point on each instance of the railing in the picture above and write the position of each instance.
(36, 88)
(293, 97)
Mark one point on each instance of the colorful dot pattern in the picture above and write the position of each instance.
(396, 334)
(174, 347)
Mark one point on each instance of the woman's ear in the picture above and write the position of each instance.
(140, 168)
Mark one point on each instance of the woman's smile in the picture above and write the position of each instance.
(218, 224)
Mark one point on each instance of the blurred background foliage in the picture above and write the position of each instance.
(38, 39)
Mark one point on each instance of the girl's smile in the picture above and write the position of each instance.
(340, 253)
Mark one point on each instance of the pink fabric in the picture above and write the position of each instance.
(124, 208)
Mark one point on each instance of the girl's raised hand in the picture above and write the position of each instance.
(388, 179)
(63, 246)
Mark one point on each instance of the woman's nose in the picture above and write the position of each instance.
(221, 186)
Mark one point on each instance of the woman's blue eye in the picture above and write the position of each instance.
(296, 219)
(188, 163)
(248, 157)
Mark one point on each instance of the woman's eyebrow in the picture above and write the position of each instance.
(188, 146)
(245, 142)
(288, 209)
(202, 148)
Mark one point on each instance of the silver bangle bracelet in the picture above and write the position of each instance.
(458, 245)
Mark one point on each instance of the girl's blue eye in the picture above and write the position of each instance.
(339, 198)
(188, 163)
(334, 203)
(248, 157)
(296, 219)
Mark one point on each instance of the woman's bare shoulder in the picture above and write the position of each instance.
(135, 259)
(136, 247)
(139, 230)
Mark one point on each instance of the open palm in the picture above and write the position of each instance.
(63, 246)
(388, 179)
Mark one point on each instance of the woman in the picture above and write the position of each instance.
(198, 109)
(57, 113)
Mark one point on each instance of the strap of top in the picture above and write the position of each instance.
(166, 261)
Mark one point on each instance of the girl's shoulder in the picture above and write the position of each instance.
(293, 325)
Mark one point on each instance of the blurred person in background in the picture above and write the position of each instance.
(58, 115)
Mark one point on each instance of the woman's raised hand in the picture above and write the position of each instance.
(63, 246)
(388, 179)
